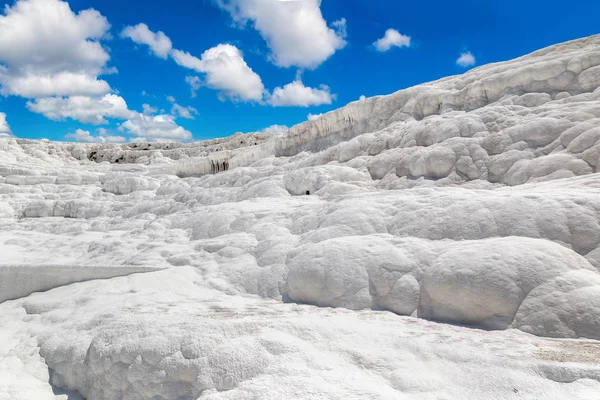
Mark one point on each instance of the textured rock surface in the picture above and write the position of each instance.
(473, 200)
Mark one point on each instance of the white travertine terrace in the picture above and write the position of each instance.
(473, 200)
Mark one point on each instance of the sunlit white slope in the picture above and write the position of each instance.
(473, 200)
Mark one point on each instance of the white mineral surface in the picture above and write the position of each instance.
(439, 243)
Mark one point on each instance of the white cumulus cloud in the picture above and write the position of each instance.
(183, 112)
(275, 130)
(148, 109)
(48, 50)
(158, 42)
(195, 84)
(295, 31)
(92, 110)
(341, 27)
(83, 136)
(32, 85)
(114, 139)
(187, 60)
(157, 127)
(5, 131)
(296, 94)
(392, 38)
(466, 59)
(226, 71)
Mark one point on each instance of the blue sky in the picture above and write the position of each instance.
(68, 73)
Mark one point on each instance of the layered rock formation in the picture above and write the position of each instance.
(473, 200)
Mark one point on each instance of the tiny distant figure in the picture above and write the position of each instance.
(308, 192)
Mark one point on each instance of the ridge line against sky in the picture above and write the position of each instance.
(94, 71)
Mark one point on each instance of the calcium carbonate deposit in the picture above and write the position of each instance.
(442, 242)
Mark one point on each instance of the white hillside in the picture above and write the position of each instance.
(336, 261)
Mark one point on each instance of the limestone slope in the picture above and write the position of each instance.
(473, 200)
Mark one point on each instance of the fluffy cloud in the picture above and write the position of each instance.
(183, 112)
(86, 137)
(392, 38)
(195, 83)
(158, 42)
(148, 109)
(295, 31)
(32, 85)
(341, 28)
(114, 139)
(466, 59)
(226, 71)
(48, 50)
(93, 110)
(276, 130)
(187, 60)
(296, 94)
(5, 131)
(82, 136)
(157, 127)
